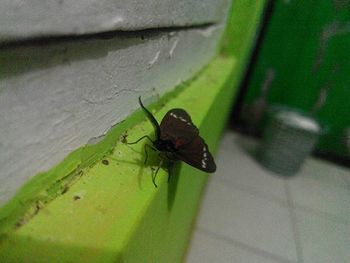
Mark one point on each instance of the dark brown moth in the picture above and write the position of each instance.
(178, 138)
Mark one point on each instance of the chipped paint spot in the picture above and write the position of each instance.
(154, 60)
(340, 4)
(208, 31)
(329, 31)
(113, 22)
(172, 49)
(95, 140)
(322, 97)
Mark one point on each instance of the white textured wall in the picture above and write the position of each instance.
(55, 95)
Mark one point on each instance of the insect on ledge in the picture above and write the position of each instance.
(177, 138)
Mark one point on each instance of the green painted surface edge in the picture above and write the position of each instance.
(46, 186)
(242, 25)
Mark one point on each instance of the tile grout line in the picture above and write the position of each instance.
(274, 199)
(253, 192)
(323, 214)
(243, 246)
(293, 217)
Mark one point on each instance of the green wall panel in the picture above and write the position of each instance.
(303, 64)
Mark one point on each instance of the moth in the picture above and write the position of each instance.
(178, 138)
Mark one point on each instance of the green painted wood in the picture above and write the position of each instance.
(304, 64)
(85, 210)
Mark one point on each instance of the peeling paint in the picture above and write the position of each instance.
(208, 31)
(60, 187)
(115, 21)
(95, 140)
(172, 49)
(93, 97)
(322, 98)
(154, 60)
(341, 4)
(329, 31)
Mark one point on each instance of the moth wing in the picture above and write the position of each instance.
(196, 154)
(177, 126)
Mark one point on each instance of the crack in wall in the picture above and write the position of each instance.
(46, 40)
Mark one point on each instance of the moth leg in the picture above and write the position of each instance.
(140, 139)
(146, 153)
(155, 174)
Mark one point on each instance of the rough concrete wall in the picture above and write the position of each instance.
(32, 18)
(56, 94)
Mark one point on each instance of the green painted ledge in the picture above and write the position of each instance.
(86, 211)
(113, 210)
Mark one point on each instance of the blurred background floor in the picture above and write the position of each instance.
(250, 215)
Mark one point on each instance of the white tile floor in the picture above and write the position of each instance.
(251, 215)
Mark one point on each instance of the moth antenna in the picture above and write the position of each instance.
(151, 119)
